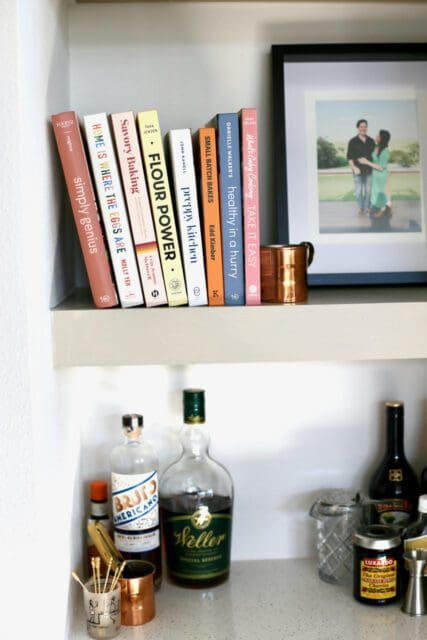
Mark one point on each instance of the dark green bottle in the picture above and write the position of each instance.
(196, 501)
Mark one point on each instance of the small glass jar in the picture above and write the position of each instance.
(377, 564)
(338, 514)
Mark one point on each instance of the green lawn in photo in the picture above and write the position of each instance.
(339, 187)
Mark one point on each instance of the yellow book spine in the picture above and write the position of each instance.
(161, 204)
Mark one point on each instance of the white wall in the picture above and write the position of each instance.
(16, 455)
(35, 526)
(191, 60)
(284, 431)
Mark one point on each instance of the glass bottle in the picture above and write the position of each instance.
(134, 488)
(99, 512)
(196, 502)
(394, 484)
(415, 535)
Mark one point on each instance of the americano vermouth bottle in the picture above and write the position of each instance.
(196, 502)
(134, 492)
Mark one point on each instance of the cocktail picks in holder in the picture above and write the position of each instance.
(109, 585)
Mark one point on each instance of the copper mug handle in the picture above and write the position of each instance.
(310, 251)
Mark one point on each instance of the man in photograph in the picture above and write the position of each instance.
(361, 146)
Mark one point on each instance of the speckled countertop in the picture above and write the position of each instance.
(272, 599)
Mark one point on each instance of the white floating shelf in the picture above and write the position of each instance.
(339, 324)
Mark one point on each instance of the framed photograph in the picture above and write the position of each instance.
(350, 145)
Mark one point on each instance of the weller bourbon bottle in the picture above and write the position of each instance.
(394, 484)
(196, 501)
(134, 489)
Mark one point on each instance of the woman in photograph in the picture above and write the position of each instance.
(380, 211)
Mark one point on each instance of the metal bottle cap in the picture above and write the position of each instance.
(194, 406)
(378, 537)
(335, 502)
(132, 424)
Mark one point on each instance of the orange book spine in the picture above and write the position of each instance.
(83, 203)
(211, 215)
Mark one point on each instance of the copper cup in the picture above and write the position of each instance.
(284, 272)
(137, 593)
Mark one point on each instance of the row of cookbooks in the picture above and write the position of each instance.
(164, 221)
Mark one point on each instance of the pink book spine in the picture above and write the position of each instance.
(250, 194)
(83, 203)
(139, 208)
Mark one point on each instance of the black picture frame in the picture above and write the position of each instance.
(313, 54)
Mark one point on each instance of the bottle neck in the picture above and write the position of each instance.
(133, 437)
(394, 434)
(195, 440)
(99, 509)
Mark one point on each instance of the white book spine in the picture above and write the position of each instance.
(187, 209)
(113, 209)
(139, 208)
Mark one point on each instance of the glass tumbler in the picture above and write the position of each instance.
(338, 513)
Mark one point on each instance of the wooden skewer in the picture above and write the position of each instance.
(116, 572)
(110, 562)
(98, 572)
(77, 579)
(116, 578)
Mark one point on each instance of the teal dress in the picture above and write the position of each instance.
(379, 179)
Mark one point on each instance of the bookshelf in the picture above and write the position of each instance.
(336, 325)
(65, 379)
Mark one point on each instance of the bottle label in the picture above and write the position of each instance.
(395, 511)
(419, 542)
(99, 509)
(106, 522)
(378, 578)
(198, 546)
(137, 543)
(135, 501)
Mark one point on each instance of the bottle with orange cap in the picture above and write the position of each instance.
(99, 512)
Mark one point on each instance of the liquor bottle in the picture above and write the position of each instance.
(196, 501)
(134, 483)
(98, 513)
(415, 536)
(394, 484)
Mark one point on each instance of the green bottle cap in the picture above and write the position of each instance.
(194, 406)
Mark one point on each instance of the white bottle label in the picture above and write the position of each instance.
(135, 501)
(137, 543)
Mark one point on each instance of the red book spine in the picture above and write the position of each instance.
(250, 195)
(83, 203)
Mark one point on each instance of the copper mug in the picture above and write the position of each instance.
(137, 593)
(284, 272)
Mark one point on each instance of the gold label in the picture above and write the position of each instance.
(378, 578)
(395, 475)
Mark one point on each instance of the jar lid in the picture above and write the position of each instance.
(334, 502)
(377, 536)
